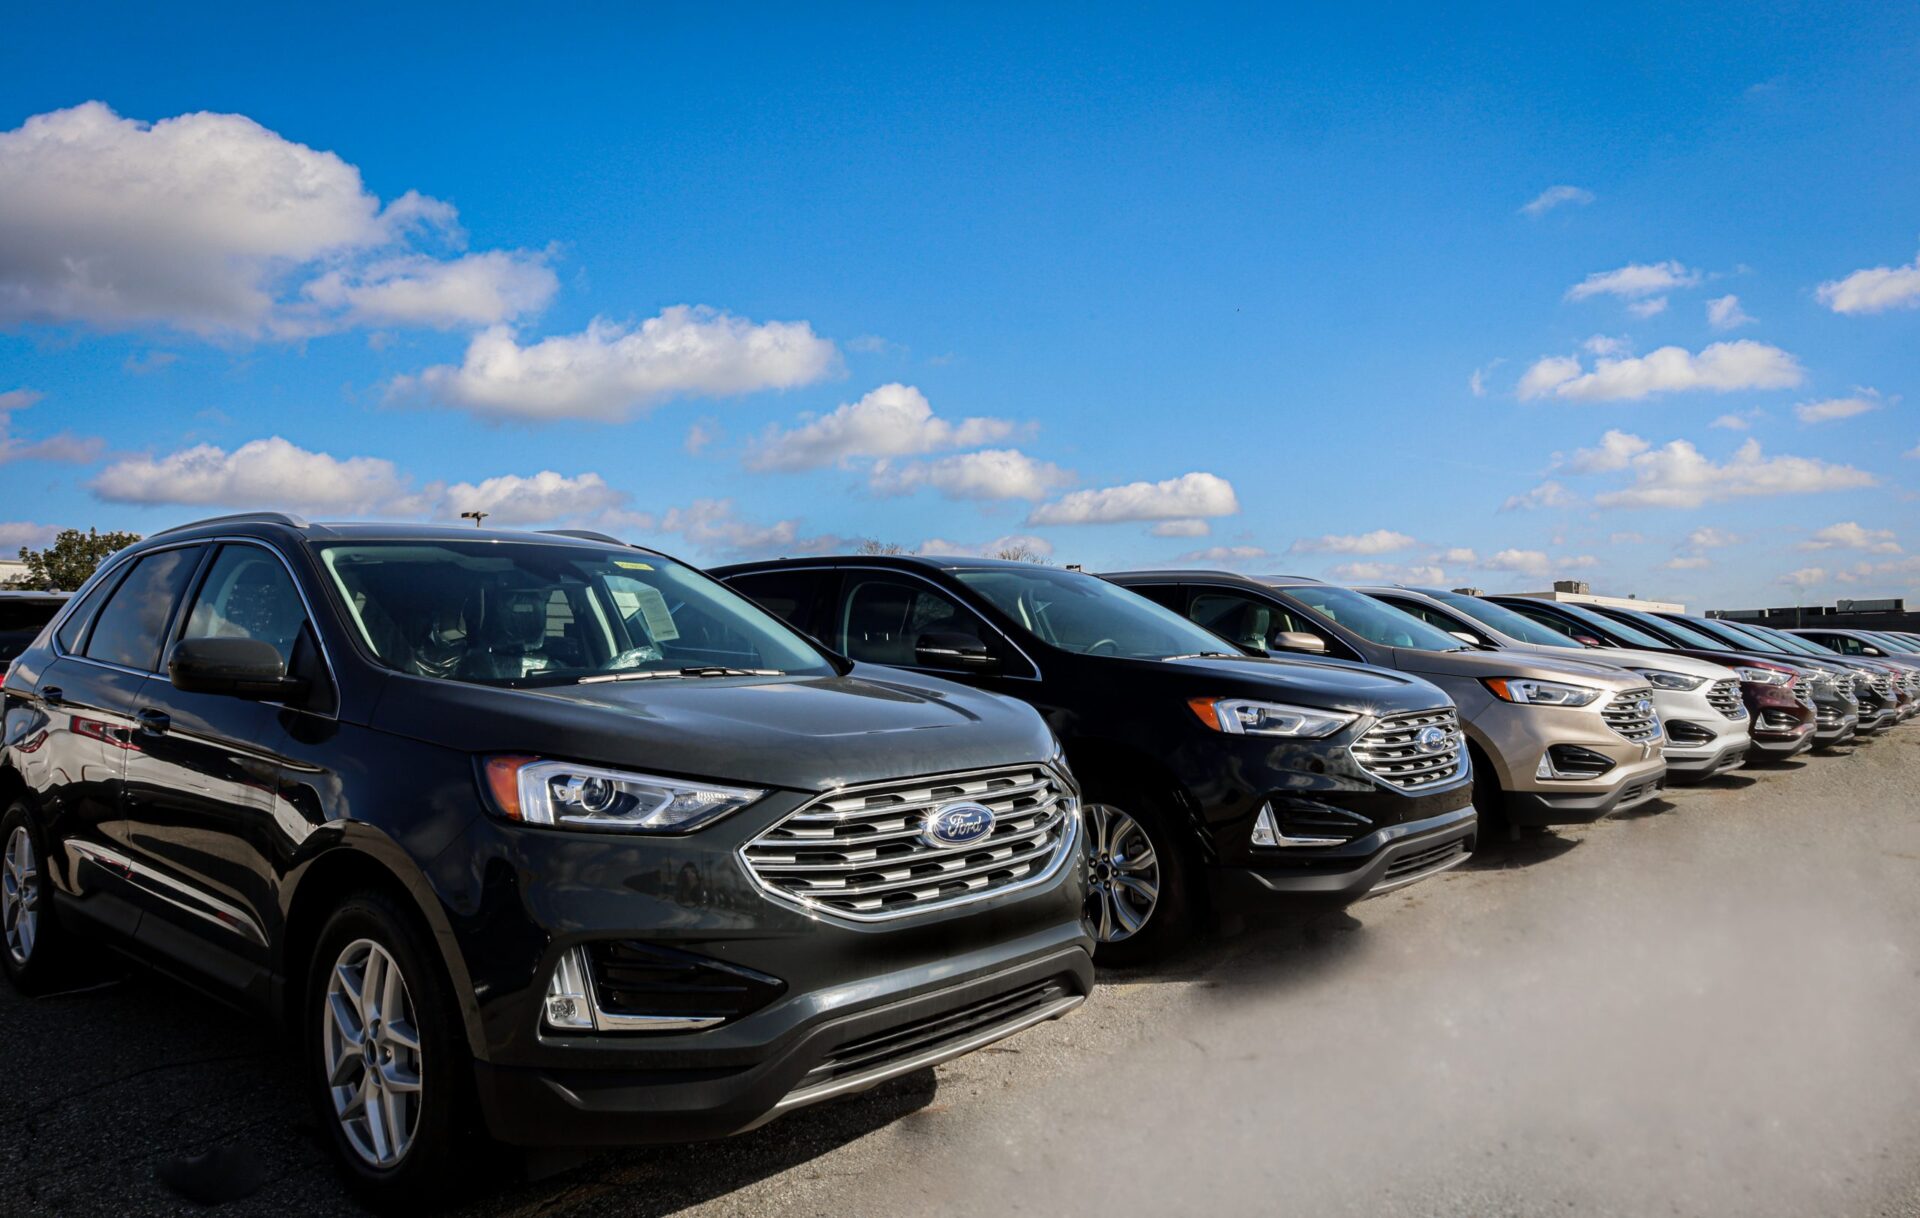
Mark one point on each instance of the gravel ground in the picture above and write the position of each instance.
(1708, 1007)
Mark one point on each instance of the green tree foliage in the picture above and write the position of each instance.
(73, 556)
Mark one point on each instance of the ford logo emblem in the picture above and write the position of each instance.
(1643, 706)
(1431, 740)
(958, 824)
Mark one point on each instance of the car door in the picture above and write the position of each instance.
(207, 823)
(108, 649)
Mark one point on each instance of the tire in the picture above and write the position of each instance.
(1489, 802)
(405, 1147)
(36, 951)
(1124, 932)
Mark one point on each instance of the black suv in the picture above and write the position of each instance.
(545, 837)
(1212, 778)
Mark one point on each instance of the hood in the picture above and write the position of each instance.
(1321, 684)
(800, 733)
(1514, 662)
(1634, 658)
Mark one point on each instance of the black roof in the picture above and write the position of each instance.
(901, 562)
(1269, 581)
(281, 524)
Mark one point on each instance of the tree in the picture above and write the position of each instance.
(1023, 553)
(872, 546)
(73, 556)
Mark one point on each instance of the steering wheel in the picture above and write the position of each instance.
(1095, 649)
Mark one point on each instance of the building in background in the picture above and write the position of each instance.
(1890, 613)
(1579, 592)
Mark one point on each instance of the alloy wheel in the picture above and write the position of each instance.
(20, 895)
(371, 1049)
(1125, 886)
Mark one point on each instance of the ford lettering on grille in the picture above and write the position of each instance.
(958, 824)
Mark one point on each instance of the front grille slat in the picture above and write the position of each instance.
(861, 853)
(1625, 717)
(1390, 750)
(1724, 696)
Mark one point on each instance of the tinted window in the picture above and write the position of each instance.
(1252, 622)
(21, 621)
(1433, 617)
(513, 613)
(791, 596)
(1504, 620)
(248, 595)
(1086, 614)
(1680, 634)
(885, 618)
(133, 623)
(76, 623)
(1371, 620)
(1611, 628)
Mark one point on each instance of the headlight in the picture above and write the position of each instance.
(1540, 693)
(1670, 680)
(1245, 717)
(569, 796)
(1764, 676)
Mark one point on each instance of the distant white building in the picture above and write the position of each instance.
(1577, 592)
(10, 569)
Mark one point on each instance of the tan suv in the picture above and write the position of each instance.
(1554, 742)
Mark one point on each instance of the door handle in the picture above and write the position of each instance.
(53, 695)
(155, 722)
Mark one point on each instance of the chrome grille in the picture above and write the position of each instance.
(1390, 750)
(1624, 715)
(1724, 696)
(859, 852)
(1803, 692)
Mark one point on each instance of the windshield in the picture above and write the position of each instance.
(1372, 620)
(1724, 636)
(1681, 634)
(1614, 629)
(1891, 642)
(1506, 621)
(1088, 615)
(1782, 641)
(529, 613)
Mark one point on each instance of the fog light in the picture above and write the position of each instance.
(569, 1004)
(1266, 832)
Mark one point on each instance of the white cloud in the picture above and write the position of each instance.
(700, 435)
(1225, 556)
(1616, 449)
(1537, 564)
(1635, 281)
(1379, 541)
(1363, 572)
(541, 499)
(1181, 528)
(1605, 344)
(62, 446)
(1874, 290)
(270, 473)
(1721, 367)
(1651, 307)
(1738, 422)
(1628, 538)
(1189, 496)
(892, 421)
(1457, 556)
(1477, 382)
(1688, 562)
(1556, 196)
(611, 371)
(415, 290)
(15, 534)
(712, 524)
(1851, 536)
(1011, 543)
(1805, 577)
(1725, 313)
(1709, 538)
(208, 223)
(1898, 572)
(1678, 475)
(1831, 409)
(1548, 494)
(992, 474)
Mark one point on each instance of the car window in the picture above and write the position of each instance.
(133, 622)
(513, 613)
(791, 596)
(1432, 616)
(1088, 615)
(883, 618)
(1612, 628)
(1371, 620)
(248, 594)
(1685, 636)
(1505, 621)
(1840, 643)
(75, 626)
(21, 620)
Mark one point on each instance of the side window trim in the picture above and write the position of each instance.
(840, 605)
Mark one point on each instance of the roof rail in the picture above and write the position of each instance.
(286, 518)
(589, 535)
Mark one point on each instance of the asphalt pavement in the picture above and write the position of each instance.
(1707, 1006)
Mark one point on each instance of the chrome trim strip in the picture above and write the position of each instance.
(1386, 886)
(228, 917)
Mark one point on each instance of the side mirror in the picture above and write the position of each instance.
(953, 649)
(1870, 651)
(240, 668)
(1586, 640)
(1300, 640)
(1468, 637)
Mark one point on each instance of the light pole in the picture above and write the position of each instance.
(476, 517)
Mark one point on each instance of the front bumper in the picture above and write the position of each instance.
(1390, 858)
(1729, 752)
(886, 1026)
(1541, 808)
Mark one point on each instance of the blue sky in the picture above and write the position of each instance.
(1141, 286)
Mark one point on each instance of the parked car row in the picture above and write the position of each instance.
(552, 839)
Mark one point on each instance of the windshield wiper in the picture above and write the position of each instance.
(1206, 655)
(700, 670)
